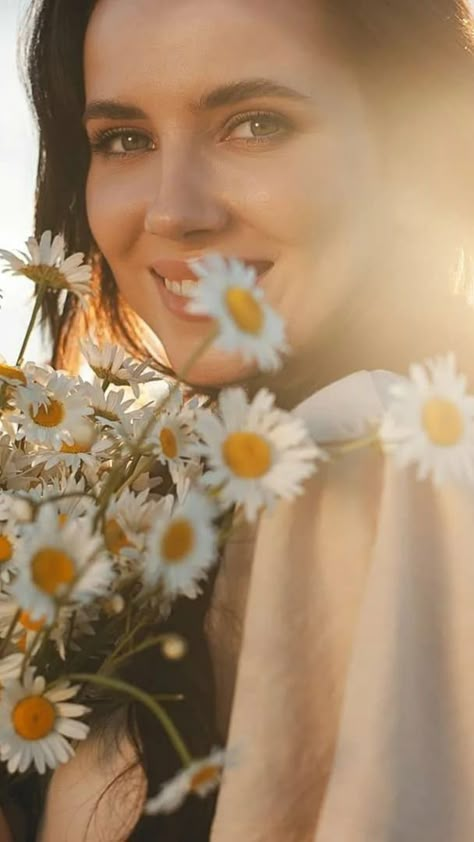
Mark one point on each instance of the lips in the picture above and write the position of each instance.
(179, 270)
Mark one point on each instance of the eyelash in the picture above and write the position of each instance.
(101, 140)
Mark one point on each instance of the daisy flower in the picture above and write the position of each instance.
(228, 292)
(10, 667)
(132, 431)
(170, 438)
(72, 623)
(255, 451)
(199, 778)
(55, 561)
(72, 503)
(81, 455)
(25, 627)
(111, 364)
(184, 476)
(430, 422)
(128, 518)
(15, 467)
(50, 419)
(35, 722)
(109, 407)
(17, 508)
(181, 547)
(8, 540)
(46, 264)
(11, 374)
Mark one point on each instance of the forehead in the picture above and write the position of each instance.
(170, 46)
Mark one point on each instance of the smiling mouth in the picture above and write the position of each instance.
(184, 288)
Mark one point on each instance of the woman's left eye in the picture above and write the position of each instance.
(272, 126)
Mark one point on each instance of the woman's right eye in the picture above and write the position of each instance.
(120, 142)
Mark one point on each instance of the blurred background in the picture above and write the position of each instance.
(17, 175)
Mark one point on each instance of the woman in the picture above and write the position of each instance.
(329, 144)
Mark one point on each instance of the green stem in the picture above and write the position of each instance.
(29, 330)
(11, 629)
(146, 644)
(122, 642)
(135, 471)
(70, 494)
(350, 446)
(146, 700)
(201, 349)
(36, 638)
(169, 697)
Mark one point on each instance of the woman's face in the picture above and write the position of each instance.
(262, 175)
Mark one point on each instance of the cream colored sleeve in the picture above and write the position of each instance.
(75, 810)
(403, 769)
(354, 700)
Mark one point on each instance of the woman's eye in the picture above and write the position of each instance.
(120, 142)
(258, 127)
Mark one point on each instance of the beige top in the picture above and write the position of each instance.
(353, 706)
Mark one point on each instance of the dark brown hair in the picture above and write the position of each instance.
(415, 63)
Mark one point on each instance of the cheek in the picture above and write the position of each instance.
(115, 213)
(335, 222)
(114, 203)
(315, 194)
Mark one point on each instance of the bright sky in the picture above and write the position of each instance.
(17, 176)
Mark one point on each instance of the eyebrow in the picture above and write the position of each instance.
(227, 94)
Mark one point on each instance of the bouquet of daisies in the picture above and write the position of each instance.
(117, 491)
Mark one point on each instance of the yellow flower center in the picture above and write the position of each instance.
(105, 413)
(248, 455)
(32, 625)
(52, 570)
(111, 377)
(50, 415)
(77, 447)
(205, 775)
(33, 717)
(50, 276)
(12, 373)
(29, 625)
(169, 443)
(244, 309)
(178, 541)
(6, 549)
(115, 537)
(442, 422)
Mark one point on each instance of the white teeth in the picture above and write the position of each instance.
(180, 287)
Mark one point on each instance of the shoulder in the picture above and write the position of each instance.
(344, 408)
(96, 796)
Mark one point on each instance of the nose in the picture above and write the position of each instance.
(184, 201)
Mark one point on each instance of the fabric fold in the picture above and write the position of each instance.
(353, 707)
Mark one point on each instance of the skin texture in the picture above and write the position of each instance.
(5, 835)
(77, 810)
(306, 197)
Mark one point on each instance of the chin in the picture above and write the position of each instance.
(215, 369)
